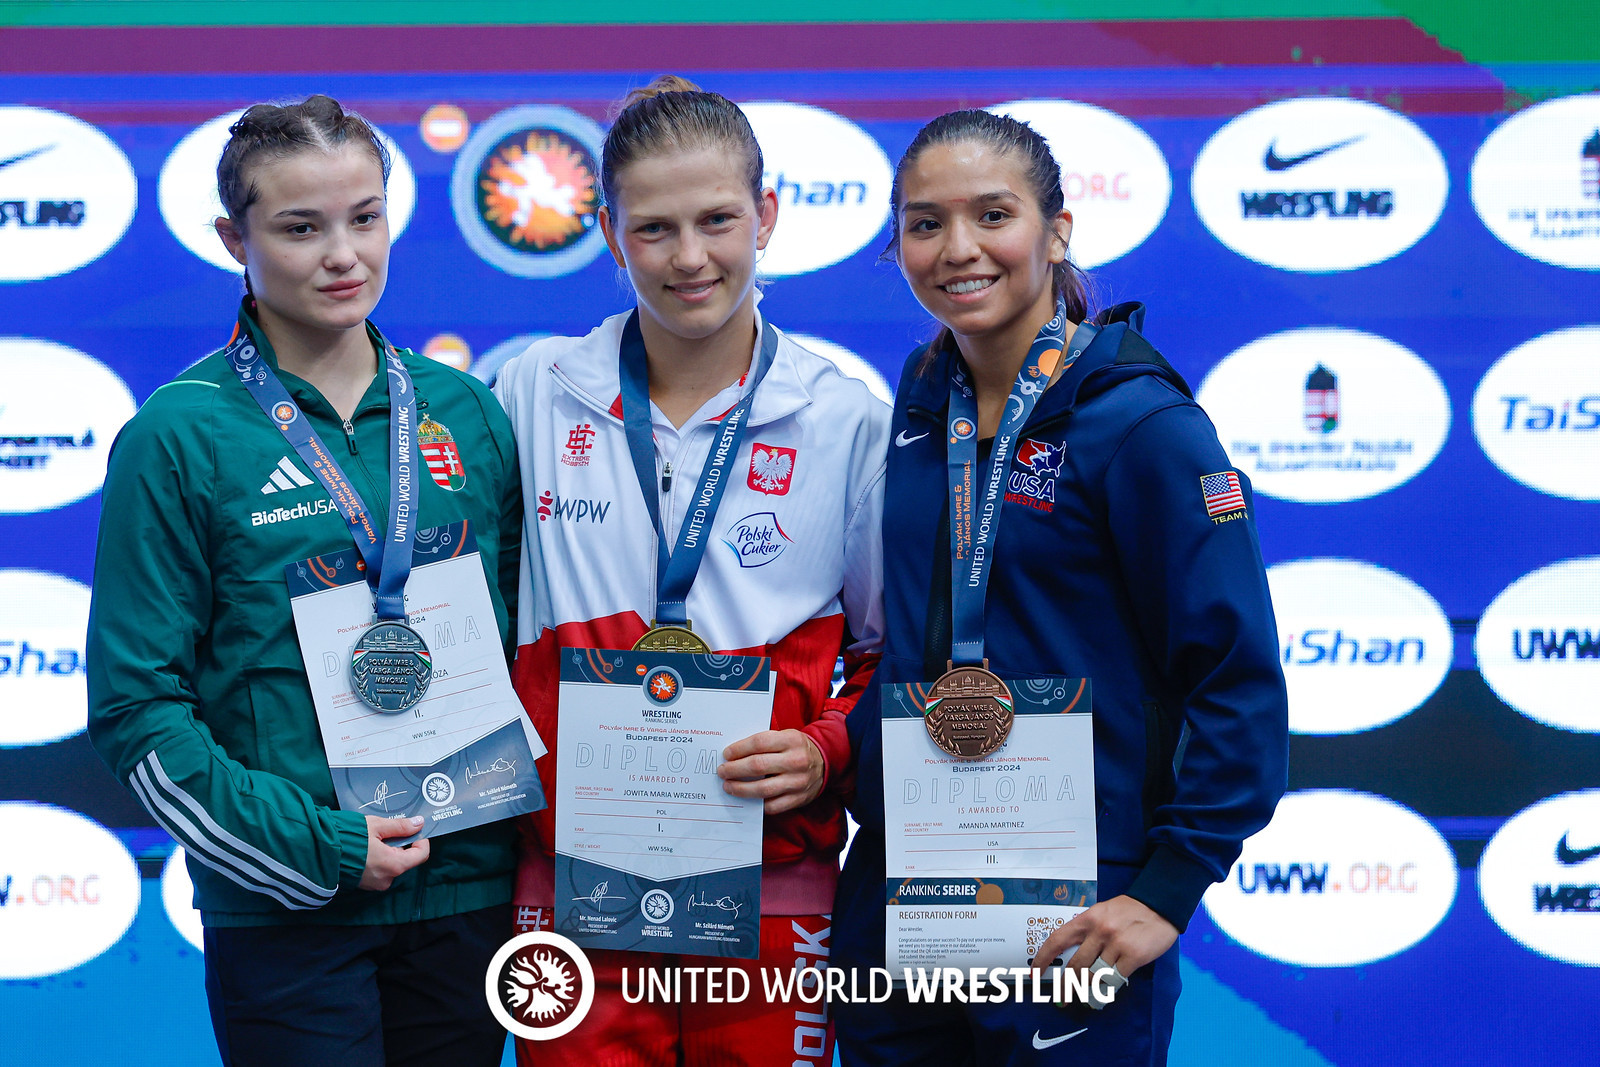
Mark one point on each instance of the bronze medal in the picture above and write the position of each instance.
(969, 712)
(671, 639)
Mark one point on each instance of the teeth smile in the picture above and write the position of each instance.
(968, 287)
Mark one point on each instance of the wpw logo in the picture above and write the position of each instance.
(539, 986)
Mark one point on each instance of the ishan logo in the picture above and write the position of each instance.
(439, 450)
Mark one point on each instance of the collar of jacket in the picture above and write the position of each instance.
(1118, 353)
(376, 394)
(589, 378)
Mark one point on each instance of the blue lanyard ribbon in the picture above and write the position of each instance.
(387, 555)
(975, 509)
(676, 570)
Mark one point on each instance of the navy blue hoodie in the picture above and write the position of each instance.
(1112, 564)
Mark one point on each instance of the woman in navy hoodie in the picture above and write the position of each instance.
(1125, 553)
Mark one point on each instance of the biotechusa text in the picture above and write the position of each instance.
(836, 985)
(299, 511)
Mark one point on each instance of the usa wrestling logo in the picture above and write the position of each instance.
(1033, 476)
(539, 986)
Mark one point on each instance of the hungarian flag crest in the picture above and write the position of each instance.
(441, 454)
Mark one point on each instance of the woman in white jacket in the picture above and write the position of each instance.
(792, 566)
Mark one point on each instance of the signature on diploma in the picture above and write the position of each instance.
(598, 895)
(382, 796)
(698, 900)
(499, 766)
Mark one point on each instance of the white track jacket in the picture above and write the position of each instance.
(793, 569)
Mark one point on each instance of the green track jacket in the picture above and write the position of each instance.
(197, 691)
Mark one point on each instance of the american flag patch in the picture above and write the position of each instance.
(1222, 493)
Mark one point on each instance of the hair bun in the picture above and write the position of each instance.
(666, 83)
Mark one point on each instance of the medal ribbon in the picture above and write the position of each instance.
(387, 555)
(676, 568)
(975, 510)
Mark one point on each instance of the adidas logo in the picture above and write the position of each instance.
(285, 476)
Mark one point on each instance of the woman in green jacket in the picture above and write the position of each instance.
(324, 943)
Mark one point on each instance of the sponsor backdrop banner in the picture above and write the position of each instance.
(1374, 258)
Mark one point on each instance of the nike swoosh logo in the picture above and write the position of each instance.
(1571, 857)
(902, 440)
(1277, 162)
(26, 155)
(1041, 1043)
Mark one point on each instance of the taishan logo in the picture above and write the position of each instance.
(1537, 413)
(540, 986)
(526, 191)
(1361, 646)
(832, 181)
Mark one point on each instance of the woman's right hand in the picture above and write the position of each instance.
(385, 863)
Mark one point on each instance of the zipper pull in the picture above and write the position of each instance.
(666, 477)
(350, 436)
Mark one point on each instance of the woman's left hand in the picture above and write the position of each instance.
(1121, 932)
(782, 767)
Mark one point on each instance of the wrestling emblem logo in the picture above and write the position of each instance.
(540, 986)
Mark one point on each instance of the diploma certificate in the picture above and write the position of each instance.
(985, 858)
(651, 854)
(461, 757)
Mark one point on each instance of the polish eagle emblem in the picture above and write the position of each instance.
(770, 469)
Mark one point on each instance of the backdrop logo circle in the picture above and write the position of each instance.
(1537, 412)
(526, 191)
(60, 409)
(67, 194)
(44, 691)
(1319, 185)
(70, 889)
(1536, 182)
(1324, 414)
(1361, 646)
(1337, 879)
(832, 181)
(540, 986)
(1538, 645)
(1539, 877)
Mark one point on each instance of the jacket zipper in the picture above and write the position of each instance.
(666, 476)
(350, 436)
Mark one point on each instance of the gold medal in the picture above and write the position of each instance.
(671, 639)
(969, 714)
